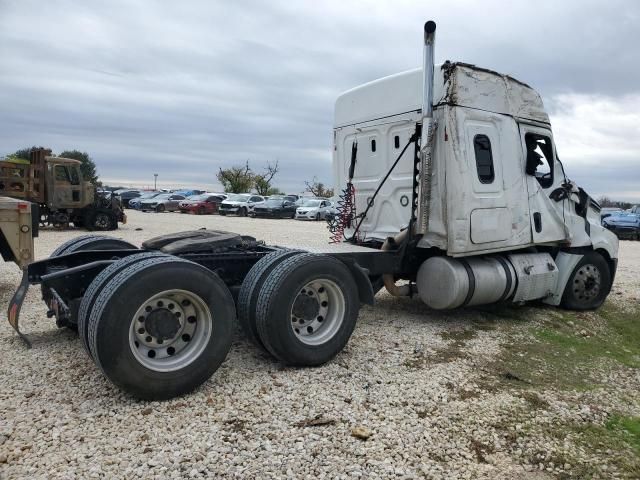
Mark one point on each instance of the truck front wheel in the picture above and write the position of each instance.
(588, 285)
(307, 309)
(101, 220)
(171, 333)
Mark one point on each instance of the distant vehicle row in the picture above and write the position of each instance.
(241, 204)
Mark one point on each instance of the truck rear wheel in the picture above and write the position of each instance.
(92, 242)
(248, 295)
(62, 247)
(101, 220)
(98, 284)
(588, 285)
(86, 242)
(307, 309)
(170, 335)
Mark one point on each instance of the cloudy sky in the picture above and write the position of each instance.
(182, 88)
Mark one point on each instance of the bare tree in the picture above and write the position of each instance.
(318, 189)
(605, 202)
(263, 182)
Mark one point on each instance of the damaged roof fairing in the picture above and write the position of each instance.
(459, 84)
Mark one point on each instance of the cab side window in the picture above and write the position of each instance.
(539, 158)
(75, 177)
(61, 174)
(484, 159)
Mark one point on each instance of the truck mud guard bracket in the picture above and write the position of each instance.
(361, 276)
(15, 305)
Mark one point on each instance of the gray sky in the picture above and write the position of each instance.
(182, 88)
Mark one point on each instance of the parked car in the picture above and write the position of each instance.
(240, 204)
(202, 204)
(276, 207)
(607, 212)
(135, 202)
(624, 225)
(188, 193)
(127, 195)
(164, 202)
(313, 209)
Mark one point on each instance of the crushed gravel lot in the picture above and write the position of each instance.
(415, 394)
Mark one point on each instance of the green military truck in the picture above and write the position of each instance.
(57, 186)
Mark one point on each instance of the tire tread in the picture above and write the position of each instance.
(96, 286)
(267, 299)
(250, 290)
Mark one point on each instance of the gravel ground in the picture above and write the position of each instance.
(407, 398)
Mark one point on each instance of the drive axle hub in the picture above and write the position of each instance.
(317, 311)
(162, 324)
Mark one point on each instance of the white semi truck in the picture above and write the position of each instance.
(452, 190)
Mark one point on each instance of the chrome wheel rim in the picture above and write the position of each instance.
(170, 330)
(317, 312)
(587, 282)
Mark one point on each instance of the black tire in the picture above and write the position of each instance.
(62, 247)
(116, 306)
(98, 284)
(588, 285)
(318, 217)
(86, 242)
(160, 208)
(98, 242)
(248, 295)
(275, 309)
(243, 212)
(201, 211)
(222, 214)
(101, 220)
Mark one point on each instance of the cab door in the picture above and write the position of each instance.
(486, 192)
(543, 175)
(67, 188)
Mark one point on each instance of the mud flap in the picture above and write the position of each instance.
(15, 305)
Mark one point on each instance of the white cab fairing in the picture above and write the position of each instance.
(482, 199)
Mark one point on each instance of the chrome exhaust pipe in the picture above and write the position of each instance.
(427, 69)
(427, 126)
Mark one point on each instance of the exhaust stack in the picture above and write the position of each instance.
(427, 127)
(427, 69)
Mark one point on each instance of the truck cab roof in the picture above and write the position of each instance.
(62, 160)
(459, 84)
